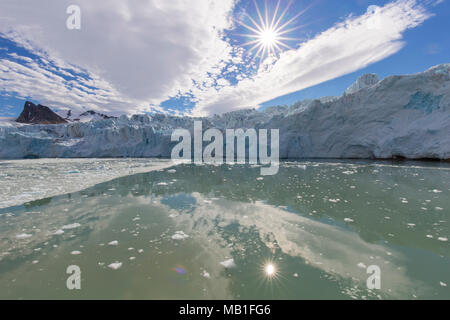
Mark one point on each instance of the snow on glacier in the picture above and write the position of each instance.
(400, 116)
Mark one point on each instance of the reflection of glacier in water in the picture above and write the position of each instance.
(206, 232)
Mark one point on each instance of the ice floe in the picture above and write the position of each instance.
(23, 236)
(228, 263)
(180, 235)
(33, 177)
(206, 274)
(115, 265)
(71, 226)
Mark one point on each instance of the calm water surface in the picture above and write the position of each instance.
(205, 232)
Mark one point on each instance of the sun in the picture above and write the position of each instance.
(270, 270)
(268, 36)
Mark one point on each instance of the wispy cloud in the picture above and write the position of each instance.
(43, 81)
(130, 56)
(348, 46)
(144, 51)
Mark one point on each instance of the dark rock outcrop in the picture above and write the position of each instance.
(38, 114)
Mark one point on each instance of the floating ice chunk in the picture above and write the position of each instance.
(58, 232)
(443, 284)
(443, 239)
(140, 250)
(349, 220)
(295, 275)
(132, 258)
(180, 235)
(171, 171)
(334, 200)
(116, 265)
(136, 219)
(436, 191)
(113, 243)
(348, 172)
(35, 262)
(75, 253)
(206, 274)
(23, 236)
(362, 265)
(130, 249)
(162, 184)
(429, 236)
(228, 263)
(260, 178)
(412, 225)
(71, 226)
(439, 208)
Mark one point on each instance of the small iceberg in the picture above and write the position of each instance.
(116, 265)
(23, 236)
(180, 235)
(71, 226)
(228, 263)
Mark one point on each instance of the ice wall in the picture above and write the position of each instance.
(400, 116)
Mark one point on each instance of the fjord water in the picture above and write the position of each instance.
(171, 234)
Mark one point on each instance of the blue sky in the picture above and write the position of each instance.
(189, 57)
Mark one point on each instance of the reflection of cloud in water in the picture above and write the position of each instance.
(212, 249)
(330, 248)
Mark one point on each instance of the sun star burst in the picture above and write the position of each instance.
(268, 36)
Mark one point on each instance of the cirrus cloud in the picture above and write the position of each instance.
(348, 46)
(143, 51)
(132, 55)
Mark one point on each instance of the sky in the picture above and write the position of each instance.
(203, 57)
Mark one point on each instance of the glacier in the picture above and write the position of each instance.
(405, 116)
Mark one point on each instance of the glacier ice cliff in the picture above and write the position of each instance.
(400, 116)
(364, 81)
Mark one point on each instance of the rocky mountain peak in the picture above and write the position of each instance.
(38, 114)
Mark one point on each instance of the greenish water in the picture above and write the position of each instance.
(320, 224)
